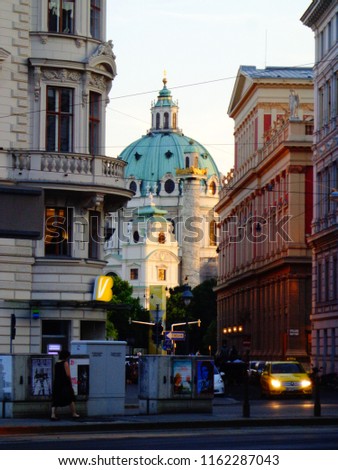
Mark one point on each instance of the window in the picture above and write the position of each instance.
(319, 282)
(212, 233)
(162, 274)
(169, 186)
(61, 16)
(157, 120)
(174, 120)
(329, 35)
(161, 238)
(329, 97)
(94, 235)
(133, 274)
(54, 333)
(166, 121)
(59, 120)
(58, 231)
(320, 107)
(94, 123)
(133, 186)
(95, 20)
(335, 278)
(212, 188)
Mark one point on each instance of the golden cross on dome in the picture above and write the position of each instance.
(164, 77)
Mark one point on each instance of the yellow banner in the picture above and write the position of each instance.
(157, 297)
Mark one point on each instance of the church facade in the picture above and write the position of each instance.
(167, 234)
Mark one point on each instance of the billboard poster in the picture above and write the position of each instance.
(5, 377)
(205, 377)
(42, 376)
(79, 371)
(182, 373)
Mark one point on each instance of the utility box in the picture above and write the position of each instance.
(169, 384)
(106, 391)
(26, 382)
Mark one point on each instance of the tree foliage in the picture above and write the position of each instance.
(123, 309)
(202, 307)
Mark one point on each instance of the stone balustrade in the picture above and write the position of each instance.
(52, 166)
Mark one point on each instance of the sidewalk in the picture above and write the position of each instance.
(227, 412)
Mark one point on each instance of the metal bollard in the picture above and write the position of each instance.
(317, 405)
(246, 403)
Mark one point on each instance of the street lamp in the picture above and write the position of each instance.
(187, 297)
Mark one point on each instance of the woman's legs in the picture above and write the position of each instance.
(53, 414)
(73, 410)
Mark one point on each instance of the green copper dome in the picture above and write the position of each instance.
(152, 156)
(165, 148)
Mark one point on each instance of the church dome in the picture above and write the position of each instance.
(165, 149)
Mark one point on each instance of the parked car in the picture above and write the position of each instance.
(218, 382)
(285, 378)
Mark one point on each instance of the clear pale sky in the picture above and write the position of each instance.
(201, 44)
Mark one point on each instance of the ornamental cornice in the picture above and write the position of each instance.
(297, 169)
(98, 81)
(61, 75)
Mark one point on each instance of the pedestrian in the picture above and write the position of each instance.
(63, 393)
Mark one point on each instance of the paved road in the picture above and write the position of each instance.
(278, 438)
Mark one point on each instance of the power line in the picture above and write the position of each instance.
(187, 85)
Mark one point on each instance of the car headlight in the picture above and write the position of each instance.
(305, 383)
(275, 383)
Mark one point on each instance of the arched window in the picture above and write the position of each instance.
(157, 120)
(187, 162)
(133, 186)
(212, 233)
(166, 121)
(212, 188)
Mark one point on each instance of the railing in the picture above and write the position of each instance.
(49, 165)
(290, 131)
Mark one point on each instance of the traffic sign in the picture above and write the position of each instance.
(175, 335)
(167, 345)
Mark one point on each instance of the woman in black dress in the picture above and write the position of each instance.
(63, 393)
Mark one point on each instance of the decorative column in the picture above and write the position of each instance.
(192, 225)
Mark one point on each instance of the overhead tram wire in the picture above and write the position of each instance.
(130, 95)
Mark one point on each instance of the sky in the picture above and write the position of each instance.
(200, 44)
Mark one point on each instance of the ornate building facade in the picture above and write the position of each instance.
(265, 211)
(322, 18)
(56, 70)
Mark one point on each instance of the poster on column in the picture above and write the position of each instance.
(6, 378)
(42, 376)
(182, 373)
(79, 371)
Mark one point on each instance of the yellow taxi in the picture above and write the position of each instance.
(285, 378)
